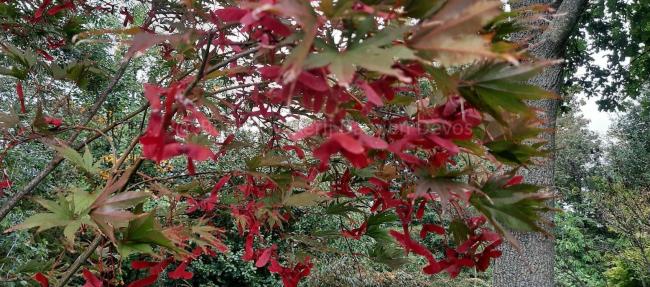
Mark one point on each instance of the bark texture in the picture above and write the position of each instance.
(533, 265)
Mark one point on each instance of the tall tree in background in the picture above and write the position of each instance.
(609, 56)
(533, 264)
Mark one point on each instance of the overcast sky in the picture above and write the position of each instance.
(598, 121)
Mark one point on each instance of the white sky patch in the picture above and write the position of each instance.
(599, 121)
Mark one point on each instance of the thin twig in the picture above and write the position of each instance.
(54, 163)
(204, 63)
(80, 260)
(218, 91)
(233, 58)
(101, 99)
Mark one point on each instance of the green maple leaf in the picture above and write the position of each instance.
(84, 162)
(369, 55)
(142, 234)
(498, 88)
(516, 207)
(68, 212)
(303, 199)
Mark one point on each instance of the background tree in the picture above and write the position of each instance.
(616, 32)
(373, 113)
(601, 233)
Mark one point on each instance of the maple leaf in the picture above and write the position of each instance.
(21, 96)
(85, 163)
(304, 14)
(497, 88)
(60, 214)
(368, 55)
(446, 189)
(145, 40)
(205, 235)
(511, 206)
(451, 34)
(69, 212)
(110, 213)
(91, 279)
(180, 272)
(142, 232)
(5, 184)
(431, 228)
(41, 279)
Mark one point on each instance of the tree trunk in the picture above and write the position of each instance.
(533, 265)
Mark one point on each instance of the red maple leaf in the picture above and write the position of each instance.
(91, 279)
(42, 280)
(21, 96)
(180, 272)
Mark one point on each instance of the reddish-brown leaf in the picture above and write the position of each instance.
(348, 143)
(41, 279)
(230, 14)
(21, 96)
(180, 272)
(91, 279)
(264, 257)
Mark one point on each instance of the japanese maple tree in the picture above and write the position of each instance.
(374, 112)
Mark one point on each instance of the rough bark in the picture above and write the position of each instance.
(533, 265)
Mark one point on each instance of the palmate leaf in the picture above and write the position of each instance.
(517, 144)
(60, 213)
(304, 199)
(388, 255)
(69, 212)
(111, 213)
(444, 187)
(514, 153)
(84, 163)
(368, 55)
(27, 59)
(374, 229)
(205, 235)
(81, 72)
(142, 234)
(451, 34)
(500, 88)
(82, 200)
(516, 207)
(43, 221)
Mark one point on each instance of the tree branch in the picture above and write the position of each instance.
(80, 260)
(54, 163)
